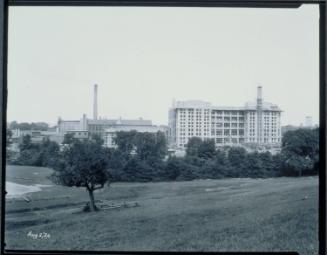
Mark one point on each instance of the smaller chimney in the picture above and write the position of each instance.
(95, 102)
(84, 123)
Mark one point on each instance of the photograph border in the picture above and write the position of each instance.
(4, 11)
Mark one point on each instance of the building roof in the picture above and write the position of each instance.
(115, 122)
(266, 106)
(151, 129)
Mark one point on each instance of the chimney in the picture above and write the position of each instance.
(259, 96)
(95, 102)
(84, 125)
(259, 115)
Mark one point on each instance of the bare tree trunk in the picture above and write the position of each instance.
(92, 204)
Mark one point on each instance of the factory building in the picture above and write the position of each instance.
(105, 128)
(110, 133)
(255, 123)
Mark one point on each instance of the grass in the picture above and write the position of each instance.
(277, 214)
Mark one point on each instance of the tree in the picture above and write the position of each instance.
(83, 164)
(8, 137)
(41, 126)
(30, 157)
(68, 138)
(97, 138)
(237, 160)
(26, 143)
(180, 169)
(137, 170)
(49, 153)
(223, 168)
(29, 153)
(202, 149)
(125, 141)
(150, 146)
(13, 125)
(193, 146)
(8, 143)
(300, 149)
(207, 149)
(117, 161)
(173, 168)
(24, 126)
(254, 165)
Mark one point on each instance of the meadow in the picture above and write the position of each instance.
(237, 214)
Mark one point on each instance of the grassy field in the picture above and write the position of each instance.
(279, 214)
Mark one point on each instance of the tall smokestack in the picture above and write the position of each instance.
(259, 115)
(95, 102)
(259, 96)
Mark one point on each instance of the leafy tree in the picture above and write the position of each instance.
(49, 153)
(187, 172)
(97, 138)
(145, 145)
(26, 143)
(137, 170)
(8, 143)
(193, 146)
(300, 149)
(237, 160)
(68, 138)
(202, 149)
(209, 170)
(125, 141)
(24, 126)
(150, 145)
(161, 145)
(29, 153)
(8, 137)
(180, 169)
(83, 164)
(41, 126)
(207, 149)
(174, 166)
(116, 161)
(269, 164)
(254, 165)
(223, 168)
(13, 125)
(30, 157)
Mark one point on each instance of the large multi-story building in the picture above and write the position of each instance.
(256, 123)
(103, 127)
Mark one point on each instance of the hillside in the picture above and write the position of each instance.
(203, 215)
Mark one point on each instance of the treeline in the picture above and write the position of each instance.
(43, 154)
(38, 126)
(144, 157)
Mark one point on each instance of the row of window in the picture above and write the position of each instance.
(233, 132)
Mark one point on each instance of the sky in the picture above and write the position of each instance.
(144, 57)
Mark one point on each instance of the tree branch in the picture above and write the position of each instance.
(99, 187)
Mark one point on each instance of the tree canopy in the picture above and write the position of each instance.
(39, 126)
(83, 164)
(300, 149)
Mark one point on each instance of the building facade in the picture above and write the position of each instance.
(105, 128)
(110, 133)
(255, 123)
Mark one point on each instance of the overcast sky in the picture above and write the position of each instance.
(143, 57)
